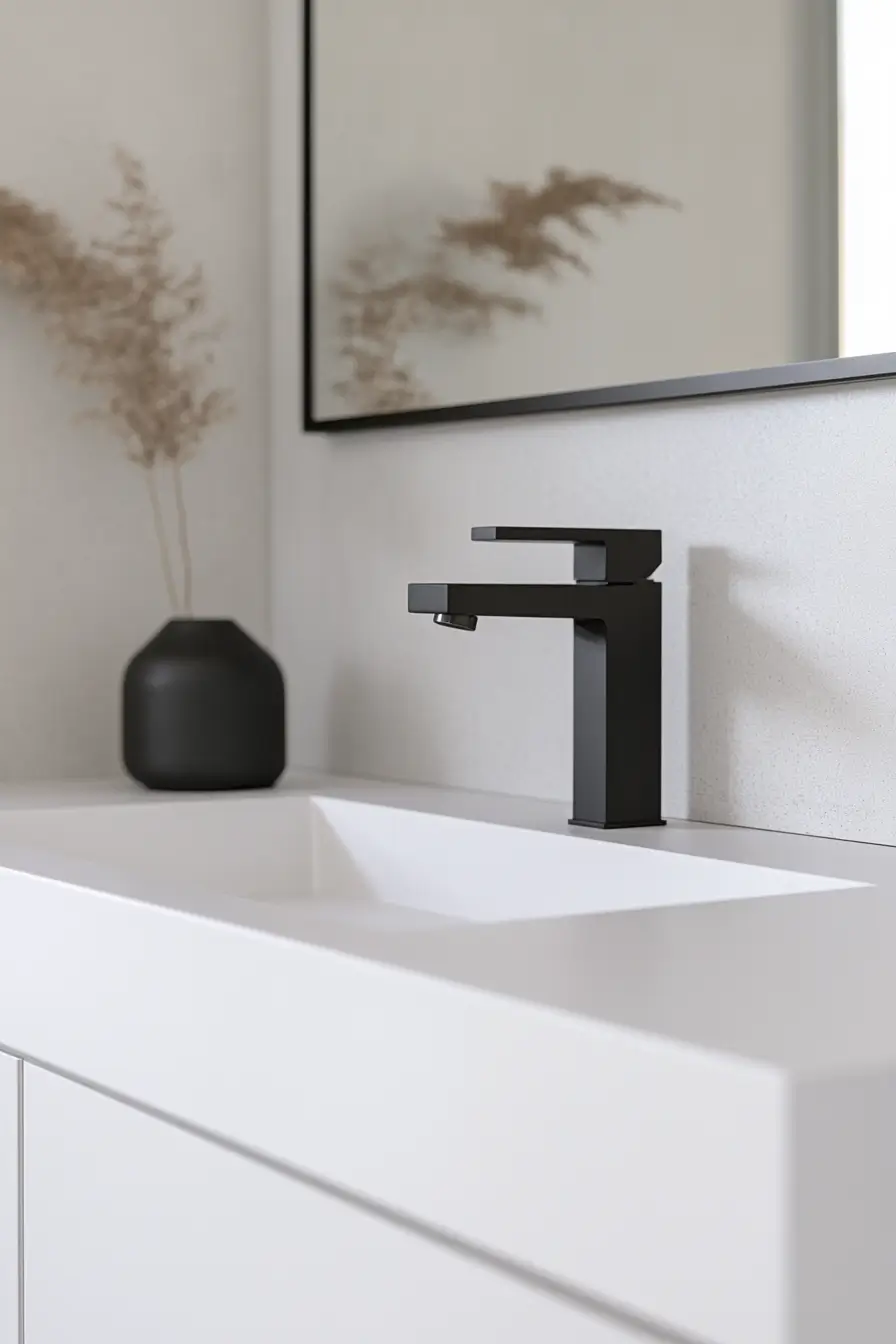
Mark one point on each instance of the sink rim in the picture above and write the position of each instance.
(115, 875)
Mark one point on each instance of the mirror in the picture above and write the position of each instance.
(530, 205)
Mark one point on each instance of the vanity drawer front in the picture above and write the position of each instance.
(138, 1230)
(9, 1200)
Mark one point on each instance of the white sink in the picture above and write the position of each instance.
(385, 866)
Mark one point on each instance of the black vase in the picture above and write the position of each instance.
(204, 707)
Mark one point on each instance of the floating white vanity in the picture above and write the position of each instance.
(353, 1063)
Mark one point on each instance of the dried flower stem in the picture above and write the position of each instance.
(158, 519)
(183, 536)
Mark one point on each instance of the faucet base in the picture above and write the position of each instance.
(615, 825)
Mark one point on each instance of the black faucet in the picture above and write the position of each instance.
(616, 610)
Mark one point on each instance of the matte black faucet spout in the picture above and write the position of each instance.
(616, 610)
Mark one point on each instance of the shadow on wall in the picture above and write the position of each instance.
(738, 664)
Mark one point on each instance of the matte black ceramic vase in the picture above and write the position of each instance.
(204, 707)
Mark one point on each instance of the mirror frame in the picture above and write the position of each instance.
(855, 368)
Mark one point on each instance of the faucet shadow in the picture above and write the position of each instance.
(736, 662)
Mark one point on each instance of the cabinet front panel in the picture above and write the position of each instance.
(9, 1200)
(137, 1230)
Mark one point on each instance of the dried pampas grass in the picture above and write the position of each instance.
(132, 325)
(386, 293)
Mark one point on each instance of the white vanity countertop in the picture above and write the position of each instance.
(805, 982)
(684, 1113)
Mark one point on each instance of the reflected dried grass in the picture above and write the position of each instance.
(386, 294)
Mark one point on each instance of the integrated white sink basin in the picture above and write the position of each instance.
(385, 866)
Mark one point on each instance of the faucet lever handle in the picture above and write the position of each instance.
(600, 554)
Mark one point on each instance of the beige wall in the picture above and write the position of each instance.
(181, 83)
(779, 514)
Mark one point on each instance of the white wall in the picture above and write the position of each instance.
(779, 514)
(181, 83)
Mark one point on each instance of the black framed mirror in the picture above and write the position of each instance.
(521, 208)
